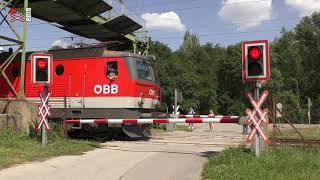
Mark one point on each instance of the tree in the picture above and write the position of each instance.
(231, 88)
(308, 41)
(210, 76)
(163, 55)
(208, 68)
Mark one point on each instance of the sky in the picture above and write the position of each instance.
(221, 22)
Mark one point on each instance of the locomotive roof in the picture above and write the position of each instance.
(79, 53)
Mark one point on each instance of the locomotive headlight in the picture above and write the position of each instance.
(142, 100)
(156, 101)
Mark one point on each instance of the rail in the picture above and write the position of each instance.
(295, 142)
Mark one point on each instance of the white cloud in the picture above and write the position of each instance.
(167, 21)
(252, 11)
(305, 7)
(60, 43)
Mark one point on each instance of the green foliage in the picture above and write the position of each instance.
(292, 107)
(209, 75)
(282, 163)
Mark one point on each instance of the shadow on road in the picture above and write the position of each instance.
(206, 154)
(201, 154)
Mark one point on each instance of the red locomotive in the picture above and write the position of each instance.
(95, 83)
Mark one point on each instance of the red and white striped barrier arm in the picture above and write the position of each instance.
(226, 119)
(203, 116)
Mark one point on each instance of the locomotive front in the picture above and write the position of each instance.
(95, 83)
(115, 85)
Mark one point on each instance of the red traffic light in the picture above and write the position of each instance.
(41, 68)
(255, 53)
(255, 60)
(41, 63)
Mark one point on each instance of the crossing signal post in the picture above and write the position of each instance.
(41, 69)
(255, 68)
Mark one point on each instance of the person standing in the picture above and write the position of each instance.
(191, 112)
(211, 115)
(245, 129)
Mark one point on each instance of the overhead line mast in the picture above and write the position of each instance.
(6, 11)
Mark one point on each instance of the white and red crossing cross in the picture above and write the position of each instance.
(44, 111)
(257, 116)
(17, 17)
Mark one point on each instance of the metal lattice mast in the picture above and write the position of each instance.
(23, 56)
(17, 41)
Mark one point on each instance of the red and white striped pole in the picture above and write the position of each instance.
(205, 116)
(222, 119)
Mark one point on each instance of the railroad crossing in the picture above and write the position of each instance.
(102, 101)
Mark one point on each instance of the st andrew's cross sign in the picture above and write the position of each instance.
(257, 116)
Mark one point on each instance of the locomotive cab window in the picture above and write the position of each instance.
(144, 71)
(112, 70)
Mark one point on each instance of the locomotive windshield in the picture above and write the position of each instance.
(144, 71)
(141, 69)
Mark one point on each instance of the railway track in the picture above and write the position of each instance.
(296, 142)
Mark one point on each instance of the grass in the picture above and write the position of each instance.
(18, 148)
(280, 163)
(307, 133)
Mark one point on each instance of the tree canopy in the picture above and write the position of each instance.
(209, 75)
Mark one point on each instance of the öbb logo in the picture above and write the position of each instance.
(152, 92)
(106, 89)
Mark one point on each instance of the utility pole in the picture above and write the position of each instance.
(175, 108)
(297, 83)
(309, 110)
(172, 126)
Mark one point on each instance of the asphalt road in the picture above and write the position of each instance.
(167, 156)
